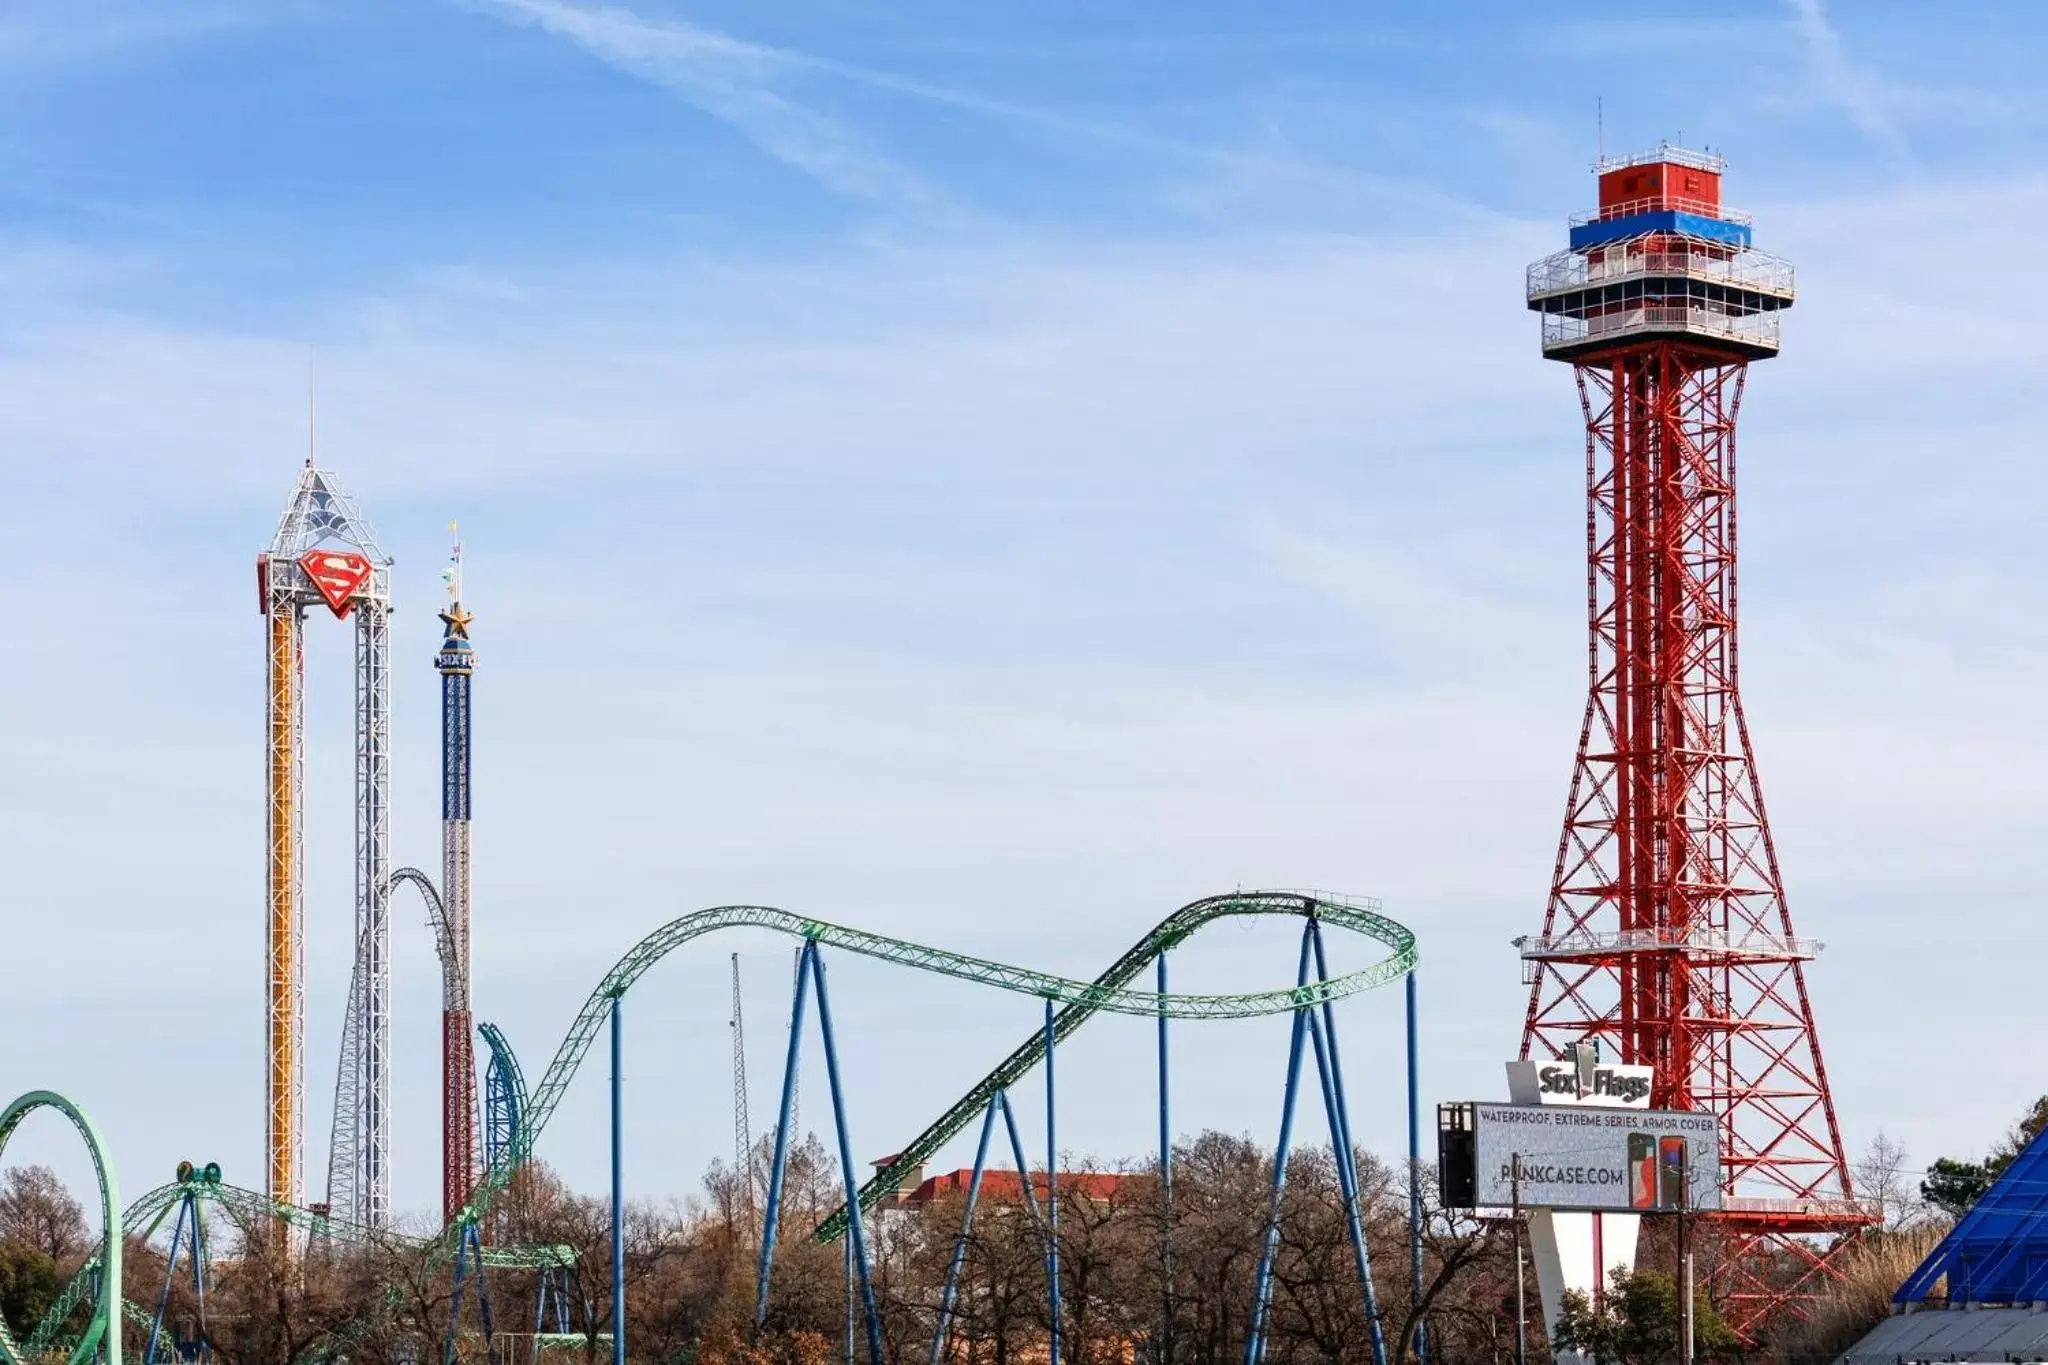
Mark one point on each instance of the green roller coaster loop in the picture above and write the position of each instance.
(1080, 1001)
(249, 1209)
(102, 1336)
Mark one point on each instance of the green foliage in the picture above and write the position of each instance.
(1637, 1323)
(1952, 1186)
(2024, 1132)
(29, 1284)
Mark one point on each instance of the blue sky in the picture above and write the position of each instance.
(989, 474)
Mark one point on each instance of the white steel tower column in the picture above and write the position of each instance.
(373, 896)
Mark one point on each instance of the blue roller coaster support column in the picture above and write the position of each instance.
(854, 1220)
(469, 1265)
(1262, 1284)
(186, 1209)
(1023, 1166)
(988, 1128)
(618, 1196)
(1342, 1147)
(1052, 1206)
(771, 1222)
(1415, 1181)
(1347, 1186)
(1165, 1351)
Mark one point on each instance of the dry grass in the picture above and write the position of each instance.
(1871, 1271)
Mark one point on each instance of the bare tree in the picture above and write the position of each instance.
(1882, 1175)
(38, 1212)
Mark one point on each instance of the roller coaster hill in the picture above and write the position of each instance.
(499, 1298)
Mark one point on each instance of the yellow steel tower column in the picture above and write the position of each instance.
(285, 959)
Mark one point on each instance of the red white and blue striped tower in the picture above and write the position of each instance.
(459, 1129)
(1667, 940)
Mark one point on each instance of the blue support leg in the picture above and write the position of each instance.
(483, 1300)
(1340, 1125)
(1347, 1185)
(1052, 1207)
(1415, 1182)
(1269, 1242)
(1023, 1166)
(163, 1300)
(618, 1196)
(202, 1266)
(1164, 1353)
(988, 1127)
(773, 1217)
(853, 1212)
(455, 1298)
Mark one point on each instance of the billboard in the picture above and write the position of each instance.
(1594, 1157)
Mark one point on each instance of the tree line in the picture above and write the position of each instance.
(1143, 1277)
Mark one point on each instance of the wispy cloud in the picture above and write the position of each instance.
(1850, 86)
(733, 81)
(744, 84)
(37, 36)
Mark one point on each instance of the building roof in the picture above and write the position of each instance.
(1004, 1185)
(1997, 1253)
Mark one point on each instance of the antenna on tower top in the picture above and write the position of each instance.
(451, 577)
(312, 412)
(1600, 127)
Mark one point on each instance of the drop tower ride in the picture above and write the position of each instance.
(324, 553)
(1667, 940)
(455, 662)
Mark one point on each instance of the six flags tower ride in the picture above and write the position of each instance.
(459, 1142)
(1667, 940)
(325, 554)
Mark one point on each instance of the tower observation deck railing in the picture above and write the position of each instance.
(1664, 153)
(1702, 939)
(1758, 330)
(1637, 258)
(1658, 203)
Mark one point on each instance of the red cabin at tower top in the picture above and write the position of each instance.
(1665, 178)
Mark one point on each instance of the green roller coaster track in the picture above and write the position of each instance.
(1080, 1001)
(102, 1336)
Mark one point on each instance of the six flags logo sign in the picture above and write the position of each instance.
(338, 574)
(1563, 1079)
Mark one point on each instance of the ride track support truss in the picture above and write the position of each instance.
(1070, 1003)
(1077, 1002)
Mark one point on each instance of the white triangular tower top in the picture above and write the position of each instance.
(320, 513)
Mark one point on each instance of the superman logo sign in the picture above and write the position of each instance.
(338, 574)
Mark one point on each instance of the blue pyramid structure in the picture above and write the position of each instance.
(1997, 1253)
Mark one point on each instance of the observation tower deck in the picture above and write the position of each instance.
(1661, 259)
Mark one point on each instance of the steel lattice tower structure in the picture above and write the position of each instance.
(1666, 938)
(459, 1119)
(325, 553)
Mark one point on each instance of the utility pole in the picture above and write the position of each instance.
(1521, 1300)
(1685, 1308)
